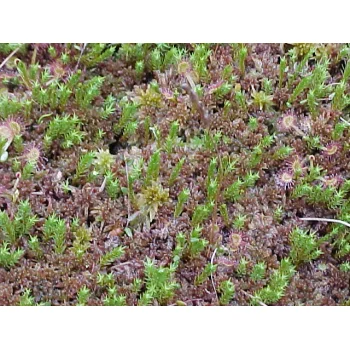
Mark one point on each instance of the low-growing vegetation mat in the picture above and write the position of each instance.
(163, 174)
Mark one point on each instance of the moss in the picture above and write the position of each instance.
(156, 174)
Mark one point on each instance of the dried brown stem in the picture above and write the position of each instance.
(197, 103)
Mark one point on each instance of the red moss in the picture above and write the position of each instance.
(167, 93)
(58, 278)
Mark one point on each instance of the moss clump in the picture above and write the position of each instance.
(161, 174)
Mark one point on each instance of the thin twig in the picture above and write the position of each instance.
(190, 81)
(102, 227)
(345, 121)
(81, 54)
(214, 216)
(211, 275)
(101, 189)
(8, 57)
(127, 180)
(326, 220)
(196, 102)
(251, 296)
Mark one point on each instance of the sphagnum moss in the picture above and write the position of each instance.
(162, 174)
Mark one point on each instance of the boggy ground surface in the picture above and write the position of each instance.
(254, 136)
